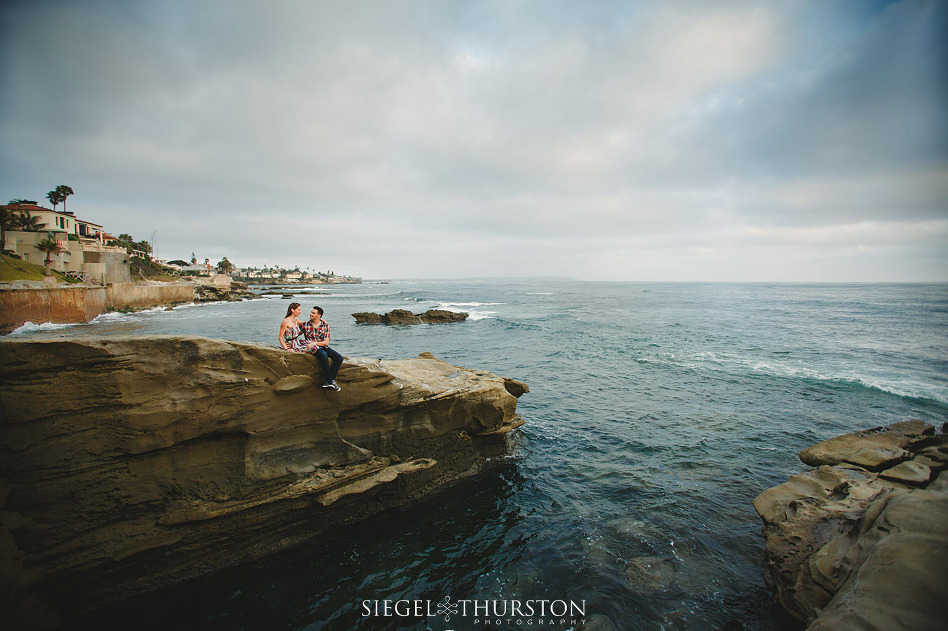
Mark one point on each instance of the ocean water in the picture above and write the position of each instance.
(657, 413)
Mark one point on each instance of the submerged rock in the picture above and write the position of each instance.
(861, 540)
(650, 574)
(130, 464)
(403, 316)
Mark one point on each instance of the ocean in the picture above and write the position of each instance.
(657, 412)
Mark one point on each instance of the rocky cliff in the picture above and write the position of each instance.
(130, 464)
(861, 540)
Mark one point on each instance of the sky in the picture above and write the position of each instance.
(783, 141)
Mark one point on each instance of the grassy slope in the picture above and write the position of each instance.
(150, 270)
(14, 269)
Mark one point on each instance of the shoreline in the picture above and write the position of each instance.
(42, 302)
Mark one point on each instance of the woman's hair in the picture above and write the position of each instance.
(289, 310)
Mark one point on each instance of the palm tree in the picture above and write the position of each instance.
(62, 191)
(28, 223)
(8, 221)
(54, 197)
(50, 246)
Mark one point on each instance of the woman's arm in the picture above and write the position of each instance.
(283, 326)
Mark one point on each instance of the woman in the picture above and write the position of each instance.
(290, 339)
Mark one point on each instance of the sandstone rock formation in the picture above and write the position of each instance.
(861, 540)
(229, 291)
(129, 464)
(403, 316)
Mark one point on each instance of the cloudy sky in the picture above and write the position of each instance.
(628, 140)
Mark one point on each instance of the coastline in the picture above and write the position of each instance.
(39, 302)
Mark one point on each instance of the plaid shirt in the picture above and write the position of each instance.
(315, 333)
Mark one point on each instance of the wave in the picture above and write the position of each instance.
(469, 304)
(471, 315)
(28, 328)
(116, 316)
(779, 365)
(905, 390)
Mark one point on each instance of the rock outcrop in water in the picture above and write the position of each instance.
(130, 464)
(861, 540)
(231, 291)
(403, 316)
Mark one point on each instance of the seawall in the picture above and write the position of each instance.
(61, 304)
(133, 463)
(81, 303)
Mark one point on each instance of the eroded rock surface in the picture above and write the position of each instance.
(403, 316)
(130, 464)
(861, 540)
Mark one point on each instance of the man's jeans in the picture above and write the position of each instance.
(323, 355)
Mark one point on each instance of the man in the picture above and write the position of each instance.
(316, 332)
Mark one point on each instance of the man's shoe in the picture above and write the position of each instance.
(335, 386)
(330, 386)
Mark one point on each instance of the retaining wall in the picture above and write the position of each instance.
(81, 303)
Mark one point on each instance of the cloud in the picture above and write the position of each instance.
(642, 138)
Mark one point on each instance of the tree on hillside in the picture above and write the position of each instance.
(50, 246)
(225, 266)
(142, 245)
(194, 259)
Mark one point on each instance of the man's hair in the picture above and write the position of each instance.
(320, 310)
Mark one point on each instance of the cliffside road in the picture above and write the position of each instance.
(130, 464)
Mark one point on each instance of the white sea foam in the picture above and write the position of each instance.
(784, 366)
(28, 328)
(461, 307)
(116, 316)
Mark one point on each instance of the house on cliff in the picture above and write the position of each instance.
(81, 242)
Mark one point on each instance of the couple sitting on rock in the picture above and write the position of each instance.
(311, 337)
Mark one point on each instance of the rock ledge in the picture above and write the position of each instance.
(861, 540)
(134, 463)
